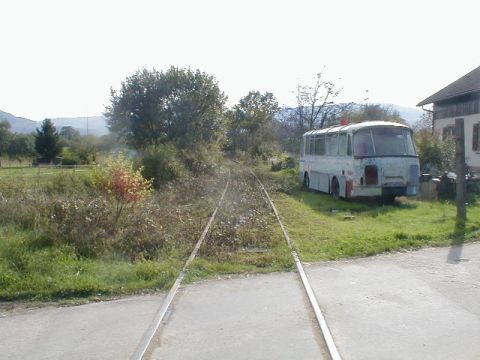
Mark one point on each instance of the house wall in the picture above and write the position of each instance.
(472, 158)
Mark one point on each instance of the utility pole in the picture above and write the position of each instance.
(460, 169)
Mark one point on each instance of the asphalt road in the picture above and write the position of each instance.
(413, 305)
(105, 330)
(261, 317)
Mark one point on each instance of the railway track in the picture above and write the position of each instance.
(144, 346)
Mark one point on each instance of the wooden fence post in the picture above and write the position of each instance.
(460, 169)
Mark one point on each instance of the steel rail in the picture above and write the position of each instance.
(150, 333)
(327, 335)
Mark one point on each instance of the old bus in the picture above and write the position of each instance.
(374, 158)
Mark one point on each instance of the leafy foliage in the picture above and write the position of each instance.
(47, 142)
(162, 163)
(368, 112)
(68, 133)
(179, 105)
(5, 135)
(21, 146)
(119, 180)
(62, 240)
(435, 156)
(250, 123)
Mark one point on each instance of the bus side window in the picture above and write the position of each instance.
(332, 144)
(312, 145)
(349, 145)
(302, 147)
(320, 144)
(342, 144)
(307, 145)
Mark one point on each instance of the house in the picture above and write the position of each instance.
(460, 99)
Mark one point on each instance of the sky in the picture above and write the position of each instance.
(60, 58)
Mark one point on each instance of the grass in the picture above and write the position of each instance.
(325, 229)
(240, 263)
(35, 266)
(39, 176)
(245, 237)
(30, 270)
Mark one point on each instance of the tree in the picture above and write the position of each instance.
(5, 136)
(86, 148)
(368, 112)
(435, 156)
(69, 133)
(251, 122)
(313, 103)
(179, 105)
(47, 141)
(21, 146)
(425, 123)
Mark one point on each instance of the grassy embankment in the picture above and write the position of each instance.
(38, 176)
(57, 242)
(56, 238)
(324, 228)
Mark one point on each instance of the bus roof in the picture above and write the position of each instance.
(355, 127)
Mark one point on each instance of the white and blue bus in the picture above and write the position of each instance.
(373, 158)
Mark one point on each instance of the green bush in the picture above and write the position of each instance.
(69, 157)
(202, 159)
(21, 206)
(163, 163)
(141, 235)
(85, 224)
(90, 225)
(281, 161)
(435, 156)
(70, 183)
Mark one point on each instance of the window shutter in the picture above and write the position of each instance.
(476, 135)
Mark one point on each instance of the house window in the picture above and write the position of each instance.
(448, 132)
(476, 137)
(463, 108)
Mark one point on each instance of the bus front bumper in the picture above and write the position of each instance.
(383, 191)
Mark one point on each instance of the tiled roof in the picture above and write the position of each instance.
(467, 84)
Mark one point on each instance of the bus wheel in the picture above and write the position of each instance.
(335, 188)
(306, 181)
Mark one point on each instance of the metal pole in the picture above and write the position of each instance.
(460, 169)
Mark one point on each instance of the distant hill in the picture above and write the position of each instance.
(19, 124)
(410, 114)
(96, 124)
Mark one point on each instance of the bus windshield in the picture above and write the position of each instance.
(383, 141)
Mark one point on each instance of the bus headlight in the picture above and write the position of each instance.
(414, 175)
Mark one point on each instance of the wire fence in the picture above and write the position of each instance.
(42, 171)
